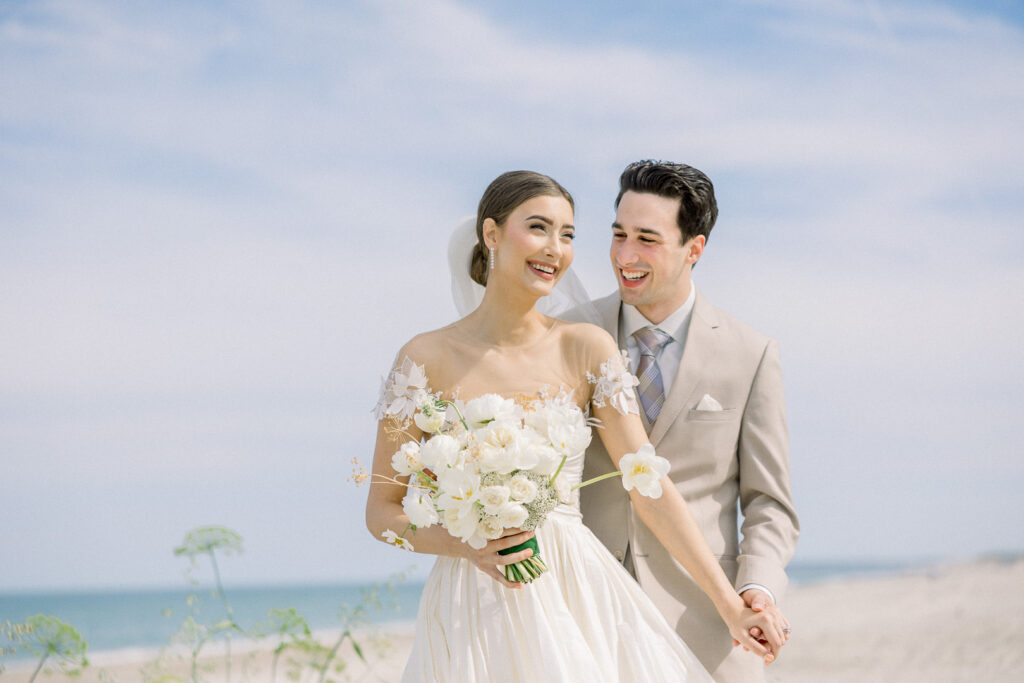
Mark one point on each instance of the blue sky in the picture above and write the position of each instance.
(221, 220)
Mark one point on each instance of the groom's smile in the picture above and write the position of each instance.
(632, 278)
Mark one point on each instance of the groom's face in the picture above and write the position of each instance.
(651, 261)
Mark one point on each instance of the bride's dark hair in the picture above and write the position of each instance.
(502, 196)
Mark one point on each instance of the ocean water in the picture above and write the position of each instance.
(115, 620)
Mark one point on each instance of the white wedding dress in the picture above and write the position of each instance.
(585, 619)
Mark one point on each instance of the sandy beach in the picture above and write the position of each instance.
(955, 622)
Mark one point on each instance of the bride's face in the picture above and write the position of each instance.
(534, 246)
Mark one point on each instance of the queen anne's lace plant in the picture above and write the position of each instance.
(495, 463)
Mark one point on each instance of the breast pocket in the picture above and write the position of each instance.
(724, 415)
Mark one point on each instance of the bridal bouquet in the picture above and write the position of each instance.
(497, 464)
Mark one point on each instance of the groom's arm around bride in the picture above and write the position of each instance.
(712, 402)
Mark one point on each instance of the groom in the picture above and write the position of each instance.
(711, 400)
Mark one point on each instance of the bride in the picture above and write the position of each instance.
(586, 618)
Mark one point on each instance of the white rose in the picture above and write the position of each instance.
(440, 451)
(512, 515)
(491, 528)
(419, 507)
(643, 471)
(522, 489)
(493, 497)
(406, 459)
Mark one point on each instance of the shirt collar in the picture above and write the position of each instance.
(675, 325)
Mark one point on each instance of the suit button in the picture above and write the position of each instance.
(618, 555)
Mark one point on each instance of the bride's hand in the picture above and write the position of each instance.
(759, 632)
(490, 562)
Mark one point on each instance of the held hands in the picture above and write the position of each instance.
(489, 561)
(770, 629)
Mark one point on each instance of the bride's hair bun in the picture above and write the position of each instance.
(478, 266)
(500, 199)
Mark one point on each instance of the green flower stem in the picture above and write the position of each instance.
(457, 412)
(551, 482)
(588, 482)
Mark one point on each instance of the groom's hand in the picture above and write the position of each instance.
(756, 599)
(759, 601)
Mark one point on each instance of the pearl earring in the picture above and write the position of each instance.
(492, 258)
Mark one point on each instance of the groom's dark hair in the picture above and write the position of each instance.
(697, 207)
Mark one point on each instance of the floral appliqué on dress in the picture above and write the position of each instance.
(402, 392)
(615, 385)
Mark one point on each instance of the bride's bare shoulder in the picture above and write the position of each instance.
(428, 348)
(586, 336)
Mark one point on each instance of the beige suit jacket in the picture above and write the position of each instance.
(722, 462)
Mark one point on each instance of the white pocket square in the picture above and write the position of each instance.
(708, 403)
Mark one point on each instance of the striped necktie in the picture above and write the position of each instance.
(651, 388)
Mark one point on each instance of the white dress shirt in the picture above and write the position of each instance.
(676, 325)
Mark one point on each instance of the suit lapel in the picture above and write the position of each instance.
(699, 351)
(608, 310)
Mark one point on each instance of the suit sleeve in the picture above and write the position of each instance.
(770, 527)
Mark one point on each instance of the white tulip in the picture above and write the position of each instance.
(643, 471)
(419, 507)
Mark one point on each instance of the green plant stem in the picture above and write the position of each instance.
(273, 665)
(331, 655)
(195, 660)
(588, 482)
(230, 613)
(39, 667)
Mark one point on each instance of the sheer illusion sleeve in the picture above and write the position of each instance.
(614, 385)
(404, 388)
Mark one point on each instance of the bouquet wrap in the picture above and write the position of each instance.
(526, 570)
